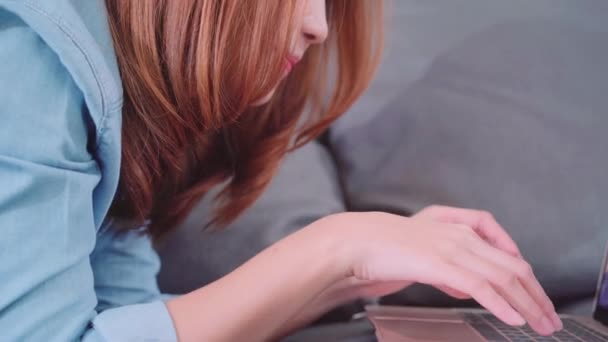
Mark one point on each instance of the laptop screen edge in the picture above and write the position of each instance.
(600, 309)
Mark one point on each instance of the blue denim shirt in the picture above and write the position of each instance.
(64, 274)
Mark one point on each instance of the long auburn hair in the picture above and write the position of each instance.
(191, 70)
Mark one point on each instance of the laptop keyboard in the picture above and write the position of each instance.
(495, 330)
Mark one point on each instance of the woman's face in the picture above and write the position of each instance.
(312, 30)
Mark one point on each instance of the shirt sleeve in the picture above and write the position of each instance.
(51, 266)
(125, 268)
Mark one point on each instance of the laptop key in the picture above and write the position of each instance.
(495, 330)
(488, 332)
(583, 332)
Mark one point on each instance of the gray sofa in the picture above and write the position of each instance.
(497, 105)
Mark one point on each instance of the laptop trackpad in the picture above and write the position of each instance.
(402, 330)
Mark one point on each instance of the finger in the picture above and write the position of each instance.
(482, 222)
(495, 234)
(452, 293)
(465, 281)
(508, 285)
(521, 268)
(526, 277)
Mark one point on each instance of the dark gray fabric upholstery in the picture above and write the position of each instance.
(506, 113)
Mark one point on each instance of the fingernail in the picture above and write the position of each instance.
(557, 322)
(547, 326)
(517, 319)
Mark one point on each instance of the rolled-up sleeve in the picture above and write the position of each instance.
(62, 280)
(125, 268)
(137, 322)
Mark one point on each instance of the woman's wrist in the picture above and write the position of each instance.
(332, 236)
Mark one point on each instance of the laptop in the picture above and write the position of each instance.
(401, 324)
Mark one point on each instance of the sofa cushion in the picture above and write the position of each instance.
(497, 106)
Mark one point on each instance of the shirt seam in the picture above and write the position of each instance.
(60, 24)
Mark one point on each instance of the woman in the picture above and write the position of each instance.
(214, 93)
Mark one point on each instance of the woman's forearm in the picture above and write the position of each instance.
(256, 300)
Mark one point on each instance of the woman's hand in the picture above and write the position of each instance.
(462, 251)
(482, 222)
(350, 289)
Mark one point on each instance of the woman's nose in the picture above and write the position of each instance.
(314, 23)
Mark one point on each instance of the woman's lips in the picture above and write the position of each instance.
(291, 62)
